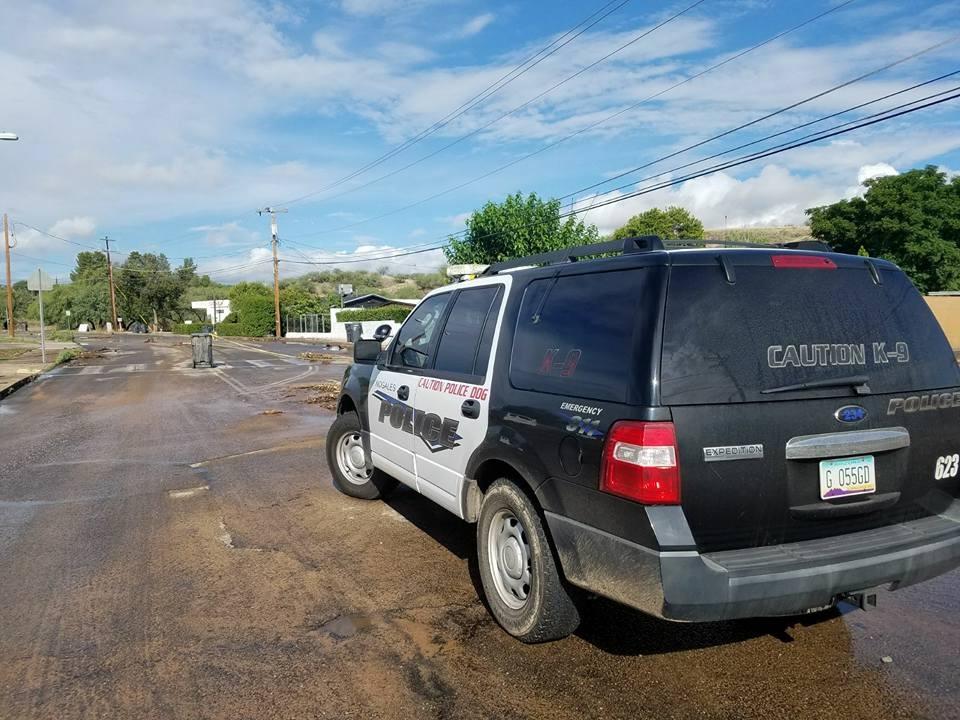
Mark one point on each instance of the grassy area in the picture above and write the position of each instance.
(67, 355)
(4, 338)
(782, 234)
(11, 353)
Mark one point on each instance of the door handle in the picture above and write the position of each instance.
(470, 409)
(403, 392)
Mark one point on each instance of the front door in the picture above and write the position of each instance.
(392, 388)
(452, 394)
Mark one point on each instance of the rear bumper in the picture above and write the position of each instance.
(777, 580)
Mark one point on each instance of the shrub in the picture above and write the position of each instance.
(397, 313)
(184, 329)
(67, 355)
(255, 314)
(62, 336)
(241, 330)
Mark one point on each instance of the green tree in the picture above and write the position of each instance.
(516, 227)
(912, 219)
(674, 223)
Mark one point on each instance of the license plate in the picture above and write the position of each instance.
(846, 477)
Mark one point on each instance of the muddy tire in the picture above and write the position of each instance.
(349, 460)
(522, 584)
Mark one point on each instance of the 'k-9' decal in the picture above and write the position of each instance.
(437, 433)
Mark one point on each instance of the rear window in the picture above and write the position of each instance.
(726, 343)
(575, 335)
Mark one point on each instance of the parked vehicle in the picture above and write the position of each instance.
(701, 434)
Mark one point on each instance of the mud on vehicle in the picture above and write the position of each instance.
(698, 433)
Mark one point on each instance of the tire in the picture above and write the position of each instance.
(521, 582)
(348, 457)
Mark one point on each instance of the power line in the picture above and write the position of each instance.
(842, 129)
(524, 67)
(516, 109)
(592, 125)
(760, 155)
(798, 127)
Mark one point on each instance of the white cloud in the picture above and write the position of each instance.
(228, 235)
(366, 8)
(868, 172)
(473, 26)
(775, 196)
(75, 227)
(369, 254)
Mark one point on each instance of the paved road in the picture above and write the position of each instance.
(167, 550)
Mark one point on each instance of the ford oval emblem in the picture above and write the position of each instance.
(850, 414)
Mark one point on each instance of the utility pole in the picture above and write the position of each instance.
(6, 250)
(113, 296)
(276, 264)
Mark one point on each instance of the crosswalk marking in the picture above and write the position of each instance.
(273, 364)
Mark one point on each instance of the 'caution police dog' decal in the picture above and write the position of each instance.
(436, 432)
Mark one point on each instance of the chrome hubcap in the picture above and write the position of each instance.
(352, 459)
(509, 555)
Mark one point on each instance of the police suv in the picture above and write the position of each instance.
(699, 433)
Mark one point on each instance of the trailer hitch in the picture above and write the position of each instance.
(863, 599)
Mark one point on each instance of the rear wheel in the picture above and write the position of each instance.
(520, 578)
(349, 460)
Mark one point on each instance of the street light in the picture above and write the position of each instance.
(9, 136)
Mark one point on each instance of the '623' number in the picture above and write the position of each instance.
(947, 467)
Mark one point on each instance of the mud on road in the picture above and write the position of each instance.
(167, 550)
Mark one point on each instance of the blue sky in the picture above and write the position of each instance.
(166, 125)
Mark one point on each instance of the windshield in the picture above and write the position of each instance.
(824, 332)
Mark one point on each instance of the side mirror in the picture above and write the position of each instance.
(366, 351)
(382, 333)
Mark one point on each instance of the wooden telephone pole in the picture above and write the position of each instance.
(113, 296)
(276, 264)
(6, 251)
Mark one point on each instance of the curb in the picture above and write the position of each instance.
(10, 389)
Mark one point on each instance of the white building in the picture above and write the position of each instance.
(216, 310)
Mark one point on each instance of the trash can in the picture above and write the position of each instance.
(202, 349)
(354, 331)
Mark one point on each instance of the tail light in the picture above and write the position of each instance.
(803, 262)
(640, 463)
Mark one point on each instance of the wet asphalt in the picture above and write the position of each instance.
(171, 547)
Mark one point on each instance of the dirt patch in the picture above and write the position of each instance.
(325, 394)
(11, 353)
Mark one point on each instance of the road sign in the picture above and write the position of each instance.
(39, 280)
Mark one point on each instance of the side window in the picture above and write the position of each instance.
(575, 335)
(414, 345)
(472, 312)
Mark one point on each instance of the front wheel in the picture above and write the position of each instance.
(349, 461)
(520, 578)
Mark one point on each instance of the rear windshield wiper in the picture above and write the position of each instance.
(858, 382)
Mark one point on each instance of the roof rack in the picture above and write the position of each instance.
(817, 245)
(645, 243)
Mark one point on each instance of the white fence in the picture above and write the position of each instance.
(319, 326)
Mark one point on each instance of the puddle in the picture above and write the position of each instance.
(187, 492)
(344, 627)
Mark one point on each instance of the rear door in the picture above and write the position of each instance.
(392, 387)
(811, 397)
(452, 394)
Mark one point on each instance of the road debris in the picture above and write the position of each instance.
(272, 411)
(325, 394)
(324, 358)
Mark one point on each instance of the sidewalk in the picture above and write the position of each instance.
(21, 362)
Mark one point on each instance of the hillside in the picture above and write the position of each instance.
(781, 234)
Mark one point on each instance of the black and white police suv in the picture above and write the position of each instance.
(700, 433)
